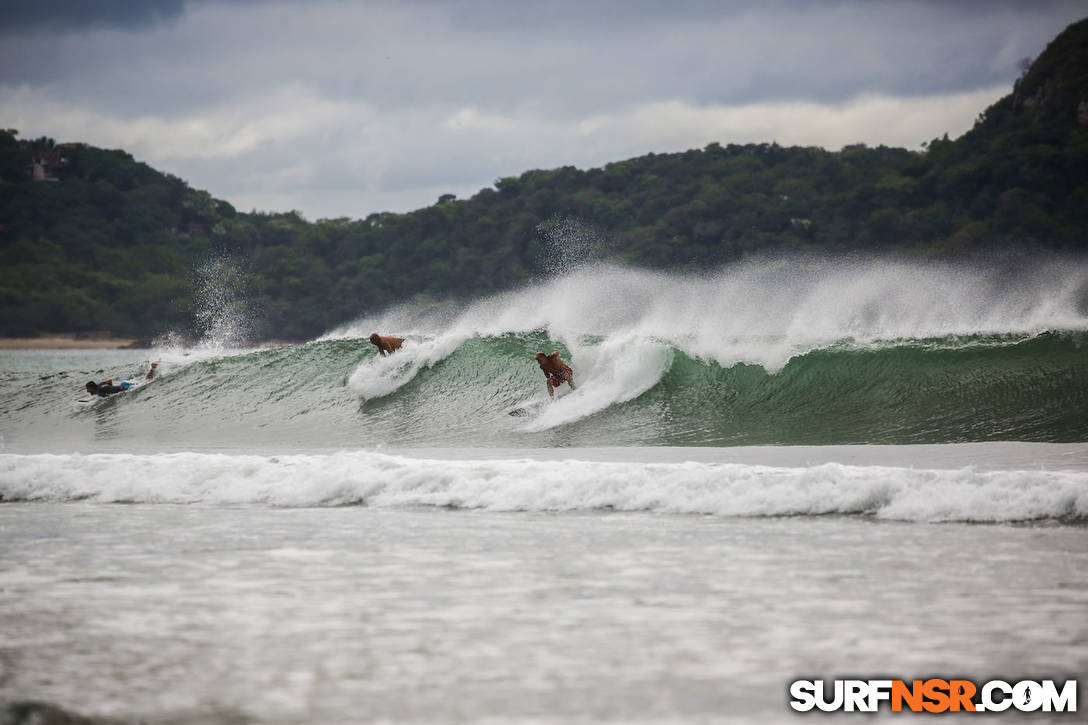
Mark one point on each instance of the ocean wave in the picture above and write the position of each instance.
(718, 489)
(766, 313)
(790, 352)
(631, 390)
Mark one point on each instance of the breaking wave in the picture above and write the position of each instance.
(784, 353)
(720, 489)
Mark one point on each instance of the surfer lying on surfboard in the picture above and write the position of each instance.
(107, 388)
(556, 371)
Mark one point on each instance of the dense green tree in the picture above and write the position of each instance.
(112, 244)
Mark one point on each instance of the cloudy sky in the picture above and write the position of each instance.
(347, 108)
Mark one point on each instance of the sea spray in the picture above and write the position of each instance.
(222, 317)
(766, 312)
(568, 244)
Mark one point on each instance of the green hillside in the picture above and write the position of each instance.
(101, 242)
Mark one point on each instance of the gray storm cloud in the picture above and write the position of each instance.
(50, 16)
(348, 108)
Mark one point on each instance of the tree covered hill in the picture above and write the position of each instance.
(91, 240)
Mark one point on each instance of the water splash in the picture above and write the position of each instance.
(568, 245)
(222, 317)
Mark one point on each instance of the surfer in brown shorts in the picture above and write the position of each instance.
(386, 345)
(556, 371)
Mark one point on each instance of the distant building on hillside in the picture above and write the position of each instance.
(48, 165)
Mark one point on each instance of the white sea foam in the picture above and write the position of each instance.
(618, 324)
(375, 479)
(619, 369)
(767, 312)
(379, 376)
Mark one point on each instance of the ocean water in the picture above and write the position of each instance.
(784, 470)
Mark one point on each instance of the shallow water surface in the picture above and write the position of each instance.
(785, 469)
(350, 614)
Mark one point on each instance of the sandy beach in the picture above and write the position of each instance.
(65, 342)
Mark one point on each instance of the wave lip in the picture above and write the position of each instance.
(767, 312)
(633, 390)
(718, 489)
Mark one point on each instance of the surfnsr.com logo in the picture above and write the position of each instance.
(933, 695)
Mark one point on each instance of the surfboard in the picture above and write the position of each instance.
(533, 406)
(528, 408)
(125, 385)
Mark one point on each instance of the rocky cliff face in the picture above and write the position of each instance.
(1055, 87)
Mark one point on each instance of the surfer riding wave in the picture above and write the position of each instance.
(555, 371)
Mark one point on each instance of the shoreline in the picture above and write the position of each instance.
(71, 342)
(67, 342)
